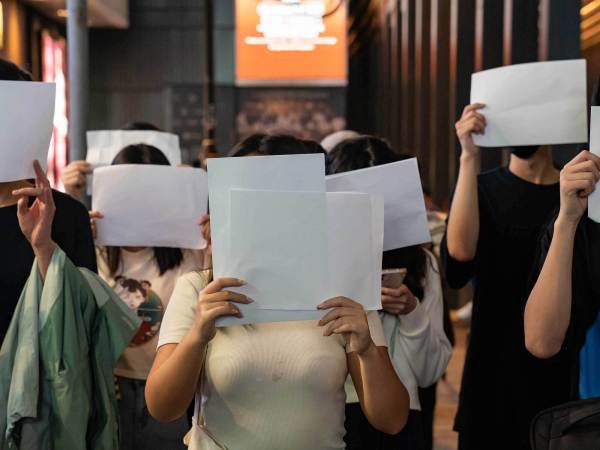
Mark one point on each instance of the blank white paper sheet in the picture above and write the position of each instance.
(150, 206)
(26, 123)
(283, 173)
(594, 199)
(353, 264)
(400, 186)
(539, 103)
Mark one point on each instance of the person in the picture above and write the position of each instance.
(565, 299)
(272, 385)
(144, 279)
(67, 332)
(414, 330)
(70, 230)
(74, 175)
(493, 226)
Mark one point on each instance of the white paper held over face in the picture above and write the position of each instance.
(150, 206)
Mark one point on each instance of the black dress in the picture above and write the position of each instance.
(70, 230)
(501, 388)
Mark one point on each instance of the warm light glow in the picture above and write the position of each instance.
(1, 26)
(594, 4)
(62, 13)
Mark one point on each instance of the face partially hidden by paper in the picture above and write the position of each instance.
(525, 151)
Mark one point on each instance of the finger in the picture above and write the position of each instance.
(96, 215)
(28, 192)
(205, 218)
(581, 157)
(47, 199)
(388, 299)
(339, 302)
(395, 292)
(82, 166)
(334, 325)
(222, 283)
(222, 296)
(346, 328)
(586, 166)
(22, 206)
(336, 313)
(222, 311)
(587, 176)
(476, 115)
(473, 107)
(40, 176)
(580, 186)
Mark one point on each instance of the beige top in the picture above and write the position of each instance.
(140, 285)
(266, 386)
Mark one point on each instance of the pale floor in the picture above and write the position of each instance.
(447, 395)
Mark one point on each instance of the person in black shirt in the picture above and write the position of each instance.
(493, 228)
(565, 300)
(70, 230)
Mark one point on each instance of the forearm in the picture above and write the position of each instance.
(548, 310)
(463, 223)
(173, 381)
(384, 398)
(43, 255)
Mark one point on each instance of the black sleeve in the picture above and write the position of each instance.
(84, 253)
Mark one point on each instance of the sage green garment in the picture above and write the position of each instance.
(56, 362)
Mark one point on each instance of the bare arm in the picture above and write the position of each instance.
(548, 309)
(174, 377)
(382, 395)
(463, 223)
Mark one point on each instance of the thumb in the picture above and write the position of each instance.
(22, 206)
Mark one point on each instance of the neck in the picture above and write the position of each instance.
(6, 189)
(539, 169)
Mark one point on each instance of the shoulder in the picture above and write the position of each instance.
(492, 176)
(190, 284)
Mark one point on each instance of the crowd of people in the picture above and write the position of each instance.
(131, 358)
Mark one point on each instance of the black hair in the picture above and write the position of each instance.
(9, 71)
(369, 151)
(166, 258)
(360, 152)
(267, 144)
(140, 126)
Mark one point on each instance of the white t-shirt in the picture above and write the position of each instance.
(139, 284)
(266, 386)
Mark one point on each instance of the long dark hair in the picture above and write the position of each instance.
(271, 144)
(166, 258)
(369, 151)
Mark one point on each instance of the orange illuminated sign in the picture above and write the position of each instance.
(291, 42)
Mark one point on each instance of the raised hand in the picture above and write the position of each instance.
(348, 318)
(215, 302)
(577, 181)
(471, 122)
(74, 178)
(398, 301)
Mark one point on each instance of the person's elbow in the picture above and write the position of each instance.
(157, 409)
(394, 423)
(461, 251)
(542, 347)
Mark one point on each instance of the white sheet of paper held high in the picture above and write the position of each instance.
(399, 184)
(284, 173)
(26, 122)
(594, 199)
(150, 206)
(532, 104)
(251, 314)
(104, 145)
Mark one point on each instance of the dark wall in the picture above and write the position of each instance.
(153, 71)
(411, 68)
